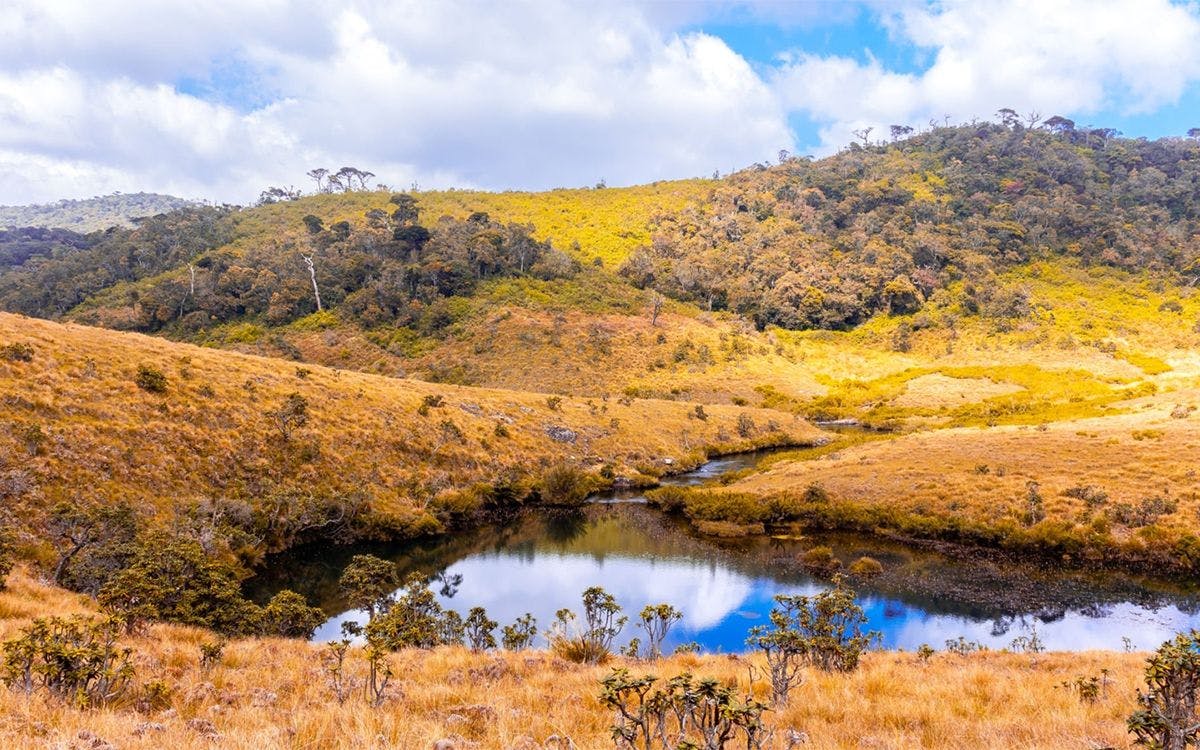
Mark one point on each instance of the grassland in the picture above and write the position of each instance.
(269, 693)
(412, 456)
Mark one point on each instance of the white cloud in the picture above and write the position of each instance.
(223, 98)
(1071, 57)
(506, 95)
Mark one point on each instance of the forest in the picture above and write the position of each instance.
(803, 244)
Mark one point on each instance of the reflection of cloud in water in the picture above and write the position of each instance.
(1073, 632)
(705, 592)
(720, 604)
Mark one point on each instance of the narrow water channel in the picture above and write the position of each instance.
(542, 561)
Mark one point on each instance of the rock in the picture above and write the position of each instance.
(561, 434)
(472, 409)
(795, 738)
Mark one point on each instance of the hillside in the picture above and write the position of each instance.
(91, 214)
(946, 246)
(367, 455)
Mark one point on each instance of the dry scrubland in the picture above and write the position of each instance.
(75, 425)
(272, 694)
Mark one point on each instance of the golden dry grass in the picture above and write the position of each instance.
(270, 694)
(74, 423)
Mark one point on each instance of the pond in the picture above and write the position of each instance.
(542, 560)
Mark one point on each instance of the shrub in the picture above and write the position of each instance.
(825, 629)
(369, 583)
(657, 620)
(1035, 508)
(820, 560)
(521, 633)
(93, 540)
(211, 653)
(590, 643)
(925, 652)
(288, 615)
(171, 579)
(17, 352)
(745, 426)
(77, 661)
(413, 620)
(866, 567)
(478, 629)
(1144, 513)
(291, 415)
(150, 379)
(7, 553)
(1092, 497)
(962, 647)
(565, 484)
(1167, 718)
(683, 713)
(554, 402)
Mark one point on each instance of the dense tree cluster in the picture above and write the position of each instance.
(391, 268)
(881, 228)
(47, 272)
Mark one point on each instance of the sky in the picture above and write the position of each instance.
(219, 99)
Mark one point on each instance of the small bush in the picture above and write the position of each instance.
(520, 634)
(17, 352)
(554, 402)
(150, 379)
(820, 560)
(866, 567)
(589, 642)
(7, 553)
(565, 484)
(704, 710)
(1092, 497)
(77, 661)
(288, 615)
(824, 631)
(745, 426)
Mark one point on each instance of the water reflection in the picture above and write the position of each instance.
(541, 563)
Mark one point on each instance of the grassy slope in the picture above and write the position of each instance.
(272, 694)
(74, 423)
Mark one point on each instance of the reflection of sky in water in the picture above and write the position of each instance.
(721, 604)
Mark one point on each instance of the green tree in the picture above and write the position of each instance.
(171, 579)
(1167, 719)
(92, 541)
(369, 583)
(288, 615)
(480, 629)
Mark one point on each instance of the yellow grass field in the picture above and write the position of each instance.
(269, 693)
(76, 426)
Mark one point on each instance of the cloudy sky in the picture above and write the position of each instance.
(220, 98)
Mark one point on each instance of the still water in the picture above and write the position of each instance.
(542, 561)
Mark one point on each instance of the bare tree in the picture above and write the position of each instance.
(864, 135)
(318, 175)
(656, 306)
(1032, 119)
(312, 272)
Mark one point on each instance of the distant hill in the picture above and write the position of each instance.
(91, 214)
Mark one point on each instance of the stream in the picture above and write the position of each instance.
(543, 559)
